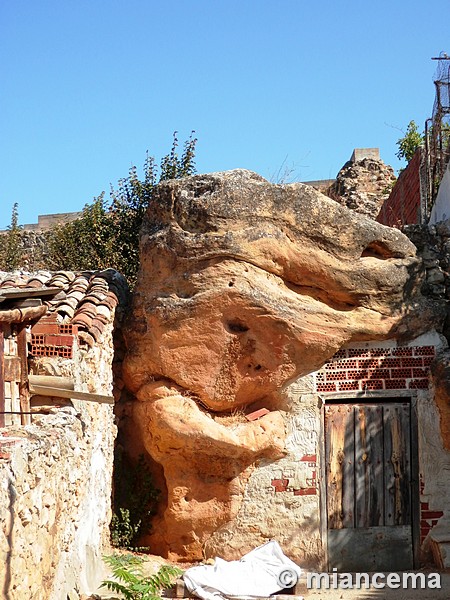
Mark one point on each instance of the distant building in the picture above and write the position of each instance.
(46, 222)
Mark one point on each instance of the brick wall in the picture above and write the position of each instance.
(381, 368)
(428, 518)
(355, 369)
(284, 484)
(48, 338)
(403, 205)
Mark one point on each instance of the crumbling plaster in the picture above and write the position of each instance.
(55, 504)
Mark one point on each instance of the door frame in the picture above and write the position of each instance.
(352, 398)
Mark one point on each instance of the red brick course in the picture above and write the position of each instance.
(352, 369)
(403, 205)
(257, 414)
(52, 339)
(428, 518)
(282, 485)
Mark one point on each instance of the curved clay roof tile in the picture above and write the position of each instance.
(83, 320)
(96, 333)
(87, 338)
(65, 309)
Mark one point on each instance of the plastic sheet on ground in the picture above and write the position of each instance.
(262, 572)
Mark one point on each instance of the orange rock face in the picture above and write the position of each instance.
(244, 286)
(441, 383)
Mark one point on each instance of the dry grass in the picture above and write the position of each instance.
(231, 419)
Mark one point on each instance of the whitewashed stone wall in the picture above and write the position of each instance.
(282, 498)
(55, 488)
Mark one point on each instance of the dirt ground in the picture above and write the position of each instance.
(154, 562)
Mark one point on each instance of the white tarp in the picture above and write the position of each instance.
(262, 572)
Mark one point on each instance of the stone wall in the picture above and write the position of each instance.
(283, 498)
(55, 497)
(363, 184)
(433, 246)
(33, 248)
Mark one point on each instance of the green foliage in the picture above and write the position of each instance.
(86, 243)
(408, 144)
(11, 251)
(107, 234)
(123, 530)
(130, 581)
(135, 498)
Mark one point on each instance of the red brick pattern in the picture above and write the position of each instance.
(52, 339)
(6, 445)
(403, 205)
(352, 369)
(257, 414)
(428, 518)
(282, 485)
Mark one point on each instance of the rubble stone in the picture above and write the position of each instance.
(363, 185)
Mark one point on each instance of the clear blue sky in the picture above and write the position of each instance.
(88, 86)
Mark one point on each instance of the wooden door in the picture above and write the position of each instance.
(369, 475)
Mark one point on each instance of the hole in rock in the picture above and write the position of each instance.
(377, 250)
(236, 326)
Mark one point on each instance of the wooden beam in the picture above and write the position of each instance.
(41, 390)
(27, 292)
(11, 368)
(24, 393)
(2, 379)
(53, 381)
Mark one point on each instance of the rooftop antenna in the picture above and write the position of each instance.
(437, 139)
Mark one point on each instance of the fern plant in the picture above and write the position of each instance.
(132, 583)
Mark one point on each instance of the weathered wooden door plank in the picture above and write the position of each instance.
(397, 464)
(24, 393)
(380, 536)
(369, 489)
(339, 444)
(370, 549)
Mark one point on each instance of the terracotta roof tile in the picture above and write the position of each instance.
(98, 324)
(103, 312)
(95, 333)
(64, 308)
(87, 307)
(86, 299)
(83, 320)
(87, 338)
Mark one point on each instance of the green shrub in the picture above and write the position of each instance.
(132, 583)
(135, 499)
(107, 233)
(11, 253)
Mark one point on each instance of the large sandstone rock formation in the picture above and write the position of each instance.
(244, 286)
(441, 383)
